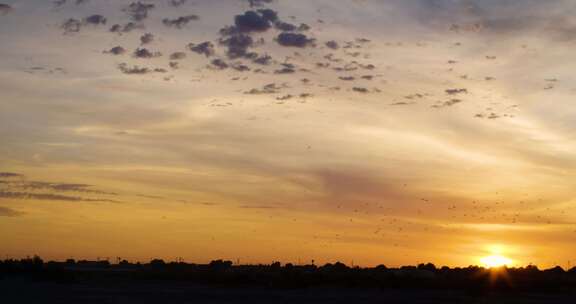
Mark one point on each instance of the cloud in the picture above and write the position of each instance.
(179, 22)
(263, 59)
(270, 88)
(144, 53)
(256, 207)
(449, 103)
(71, 26)
(5, 9)
(10, 182)
(4, 211)
(139, 11)
(177, 3)
(294, 40)
(252, 21)
(360, 90)
(287, 68)
(126, 28)
(237, 45)
(95, 20)
(23, 189)
(146, 39)
(240, 67)
(456, 91)
(332, 45)
(50, 197)
(204, 48)
(134, 70)
(59, 3)
(177, 56)
(219, 64)
(138, 70)
(347, 78)
(353, 186)
(10, 175)
(258, 3)
(63, 187)
(117, 50)
(289, 27)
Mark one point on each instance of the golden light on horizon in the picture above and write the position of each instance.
(495, 261)
(496, 258)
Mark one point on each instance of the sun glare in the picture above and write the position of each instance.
(494, 261)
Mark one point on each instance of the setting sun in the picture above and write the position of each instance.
(495, 261)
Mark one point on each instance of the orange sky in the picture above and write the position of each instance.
(436, 131)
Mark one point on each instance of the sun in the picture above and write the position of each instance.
(495, 261)
(496, 257)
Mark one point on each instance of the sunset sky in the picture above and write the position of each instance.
(365, 131)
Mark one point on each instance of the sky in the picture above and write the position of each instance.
(364, 131)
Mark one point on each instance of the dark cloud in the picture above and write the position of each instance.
(271, 88)
(456, 91)
(138, 11)
(137, 70)
(117, 50)
(9, 212)
(50, 197)
(71, 26)
(289, 27)
(134, 70)
(126, 28)
(287, 68)
(263, 59)
(177, 3)
(360, 90)
(74, 25)
(204, 48)
(5, 8)
(294, 40)
(240, 67)
(448, 103)
(179, 22)
(285, 97)
(269, 14)
(10, 175)
(95, 20)
(59, 3)
(60, 187)
(219, 64)
(237, 45)
(144, 53)
(146, 39)
(256, 207)
(252, 21)
(284, 26)
(488, 116)
(332, 45)
(177, 56)
(259, 3)
(22, 184)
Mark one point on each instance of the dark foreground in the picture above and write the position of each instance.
(32, 281)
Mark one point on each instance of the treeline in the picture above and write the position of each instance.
(473, 279)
